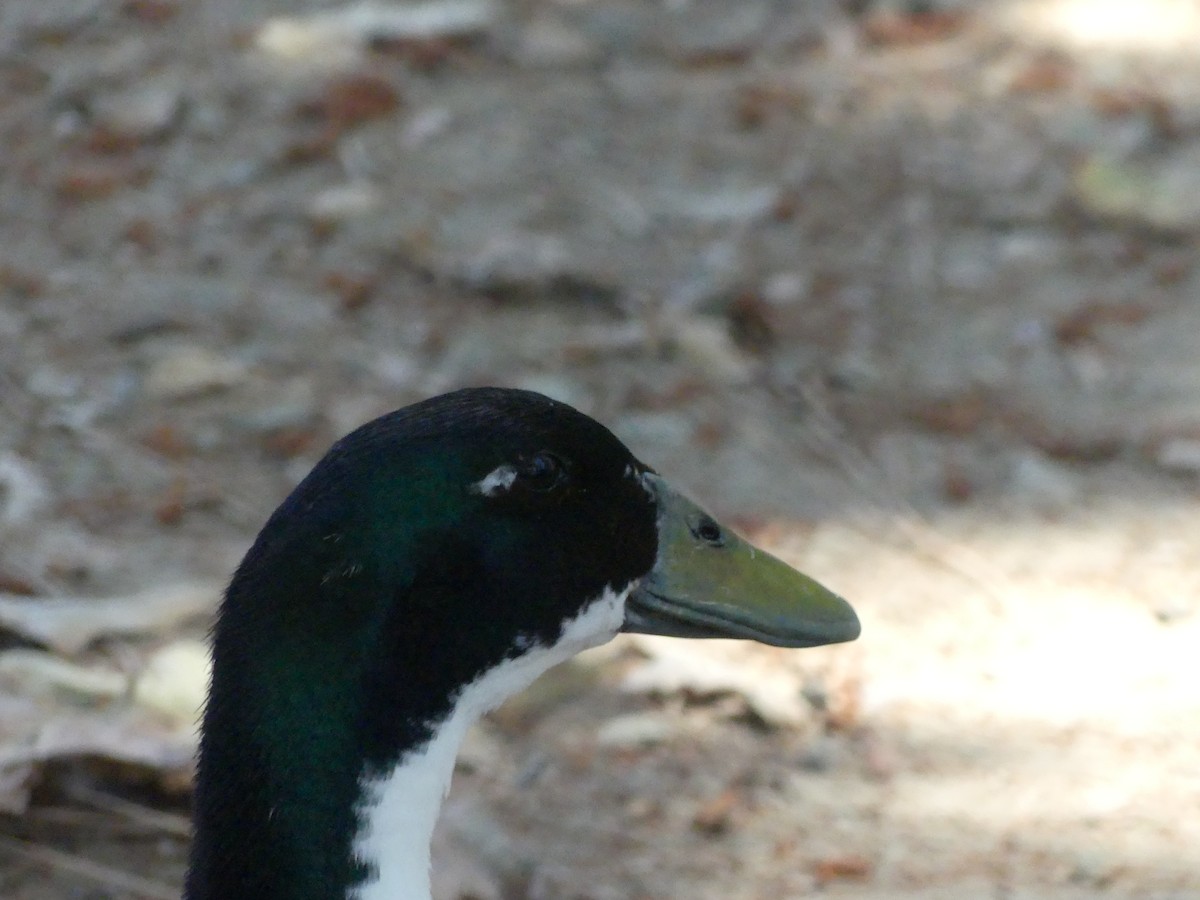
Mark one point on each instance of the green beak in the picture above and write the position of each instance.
(709, 583)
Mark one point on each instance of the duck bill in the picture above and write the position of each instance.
(710, 583)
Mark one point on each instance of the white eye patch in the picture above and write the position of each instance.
(496, 481)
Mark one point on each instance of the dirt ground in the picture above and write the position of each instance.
(908, 291)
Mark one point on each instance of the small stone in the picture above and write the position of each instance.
(424, 125)
(817, 757)
(174, 681)
(192, 372)
(552, 45)
(518, 257)
(730, 205)
(786, 288)
(1174, 609)
(50, 383)
(397, 370)
(1180, 455)
(1044, 481)
(707, 343)
(287, 406)
(341, 202)
(23, 490)
(1090, 368)
(293, 40)
(340, 36)
(634, 730)
(1164, 196)
(144, 113)
(1093, 867)
(717, 32)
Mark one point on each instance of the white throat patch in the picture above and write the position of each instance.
(400, 808)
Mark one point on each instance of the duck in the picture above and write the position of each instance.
(433, 563)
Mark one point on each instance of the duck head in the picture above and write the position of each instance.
(432, 564)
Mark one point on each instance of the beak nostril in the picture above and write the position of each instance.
(709, 531)
(736, 591)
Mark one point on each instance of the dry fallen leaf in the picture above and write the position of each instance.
(890, 28)
(68, 624)
(716, 815)
(1084, 322)
(36, 729)
(150, 12)
(36, 673)
(773, 694)
(352, 100)
(842, 868)
(51, 708)
(1046, 74)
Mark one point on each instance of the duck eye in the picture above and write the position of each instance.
(709, 531)
(543, 472)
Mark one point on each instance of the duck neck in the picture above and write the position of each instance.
(300, 804)
(280, 786)
(398, 810)
(315, 718)
(297, 798)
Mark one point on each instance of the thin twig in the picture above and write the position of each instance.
(75, 818)
(153, 819)
(113, 879)
(904, 520)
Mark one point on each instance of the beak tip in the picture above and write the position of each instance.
(841, 627)
(849, 628)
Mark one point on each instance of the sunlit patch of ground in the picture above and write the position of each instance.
(1051, 726)
(1146, 27)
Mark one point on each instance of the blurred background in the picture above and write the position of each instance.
(906, 290)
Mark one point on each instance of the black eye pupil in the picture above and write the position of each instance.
(543, 471)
